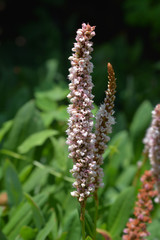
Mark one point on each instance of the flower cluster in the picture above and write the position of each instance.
(103, 126)
(136, 227)
(152, 145)
(80, 136)
(85, 147)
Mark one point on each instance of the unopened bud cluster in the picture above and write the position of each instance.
(103, 126)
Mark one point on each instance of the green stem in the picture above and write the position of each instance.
(96, 213)
(82, 219)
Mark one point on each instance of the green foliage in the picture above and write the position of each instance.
(120, 211)
(27, 233)
(37, 214)
(26, 122)
(36, 139)
(12, 184)
(141, 121)
(50, 226)
(33, 119)
(36, 176)
(154, 230)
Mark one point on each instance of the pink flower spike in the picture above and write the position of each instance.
(152, 146)
(137, 226)
(80, 136)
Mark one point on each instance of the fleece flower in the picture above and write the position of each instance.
(136, 228)
(80, 137)
(152, 145)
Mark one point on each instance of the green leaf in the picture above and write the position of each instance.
(13, 154)
(126, 177)
(120, 211)
(36, 139)
(120, 156)
(23, 213)
(12, 183)
(51, 170)
(55, 94)
(25, 173)
(141, 121)
(120, 149)
(154, 230)
(5, 128)
(45, 104)
(34, 180)
(88, 238)
(72, 226)
(37, 214)
(51, 66)
(50, 226)
(58, 93)
(2, 236)
(60, 153)
(27, 233)
(59, 114)
(89, 224)
(63, 236)
(26, 122)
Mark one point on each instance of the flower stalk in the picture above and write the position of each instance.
(82, 219)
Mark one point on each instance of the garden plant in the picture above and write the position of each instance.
(67, 175)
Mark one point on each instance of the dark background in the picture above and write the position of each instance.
(34, 32)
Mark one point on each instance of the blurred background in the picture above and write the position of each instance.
(36, 38)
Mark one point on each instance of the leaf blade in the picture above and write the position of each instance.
(37, 214)
(36, 139)
(13, 185)
(120, 211)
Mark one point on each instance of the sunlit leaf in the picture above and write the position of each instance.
(72, 226)
(5, 128)
(120, 211)
(140, 122)
(49, 227)
(154, 229)
(2, 236)
(37, 214)
(28, 233)
(12, 183)
(23, 213)
(26, 122)
(36, 139)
